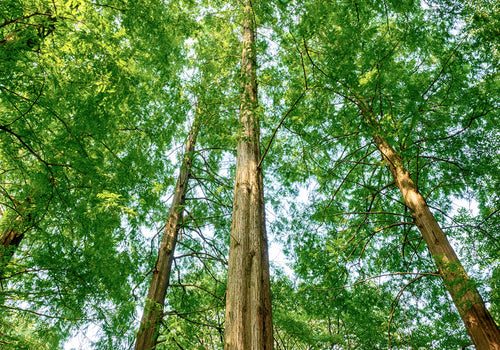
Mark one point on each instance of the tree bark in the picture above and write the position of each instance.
(479, 324)
(153, 310)
(9, 241)
(248, 296)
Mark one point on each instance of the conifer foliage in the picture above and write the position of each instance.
(345, 174)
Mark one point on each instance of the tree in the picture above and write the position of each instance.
(248, 299)
(74, 149)
(480, 325)
(153, 310)
(367, 114)
(373, 50)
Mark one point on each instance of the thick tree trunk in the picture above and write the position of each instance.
(476, 317)
(153, 310)
(248, 297)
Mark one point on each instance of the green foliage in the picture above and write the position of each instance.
(414, 69)
(96, 99)
(79, 159)
(25, 332)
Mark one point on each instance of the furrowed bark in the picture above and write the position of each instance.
(248, 296)
(153, 310)
(479, 324)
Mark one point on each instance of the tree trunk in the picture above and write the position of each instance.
(476, 317)
(9, 241)
(155, 301)
(248, 296)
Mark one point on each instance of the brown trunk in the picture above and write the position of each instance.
(9, 241)
(16, 225)
(476, 317)
(153, 310)
(248, 297)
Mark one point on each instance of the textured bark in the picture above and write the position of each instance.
(479, 324)
(153, 310)
(9, 241)
(248, 297)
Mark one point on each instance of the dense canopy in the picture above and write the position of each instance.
(150, 150)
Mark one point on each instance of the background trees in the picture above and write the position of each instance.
(95, 99)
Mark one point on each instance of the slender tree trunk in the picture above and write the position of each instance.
(155, 301)
(248, 297)
(476, 317)
(9, 241)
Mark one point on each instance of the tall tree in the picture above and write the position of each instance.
(370, 58)
(78, 156)
(153, 310)
(377, 110)
(248, 298)
(477, 320)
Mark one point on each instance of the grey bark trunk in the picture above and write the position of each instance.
(479, 324)
(248, 296)
(153, 310)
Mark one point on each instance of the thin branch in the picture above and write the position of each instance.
(5, 23)
(41, 314)
(398, 297)
(420, 275)
(279, 125)
(444, 66)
